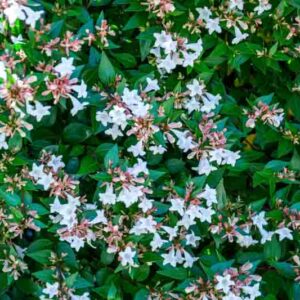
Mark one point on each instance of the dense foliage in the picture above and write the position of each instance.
(149, 149)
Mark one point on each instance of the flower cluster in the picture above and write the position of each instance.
(171, 51)
(237, 284)
(149, 150)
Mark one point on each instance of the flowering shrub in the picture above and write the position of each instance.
(149, 149)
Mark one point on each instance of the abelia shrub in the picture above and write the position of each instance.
(149, 150)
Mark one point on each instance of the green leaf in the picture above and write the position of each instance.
(76, 133)
(41, 256)
(106, 71)
(45, 275)
(221, 266)
(106, 258)
(276, 165)
(10, 198)
(39, 245)
(145, 47)
(142, 294)
(27, 286)
(175, 165)
(112, 157)
(126, 59)
(155, 174)
(88, 165)
(272, 249)
(140, 273)
(3, 282)
(174, 273)
(258, 205)
(221, 195)
(284, 268)
(67, 253)
(295, 162)
(113, 293)
(137, 20)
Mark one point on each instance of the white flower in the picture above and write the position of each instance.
(259, 220)
(186, 221)
(266, 236)
(68, 213)
(109, 197)
(224, 156)
(284, 233)
(118, 116)
(103, 117)
(127, 256)
(56, 163)
(65, 67)
(239, 36)
(32, 16)
(75, 242)
(224, 283)
(157, 242)
(139, 167)
(77, 105)
(140, 109)
(55, 206)
(17, 39)
(137, 149)
(171, 231)
(115, 132)
(3, 74)
(252, 291)
(14, 12)
(194, 211)
(46, 180)
(192, 239)
(206, 214)
(192, 105)
(100, 218)
(51, 289)
(189, 259)
(230, 157)
(3, 143)
(177, 204)
(209, 194)
(185, 140)
(39, 111)
(204, 13)
(145, 204)
(84, 296)
(131, 97)
(170, 258)
(196, 47)
(73, 200)
(210, 102)
(168, 63)
(144, 225)
(246, 240)
(196, 88)
(157, 149)
(189, 58)
(239, 4)
(213, 25)
(204, 167)
(130, 195)
(232, 296)
(165, 41)
(250, 123)
(276, 120)
(264, 5)
(80, 90)
(152, 85)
